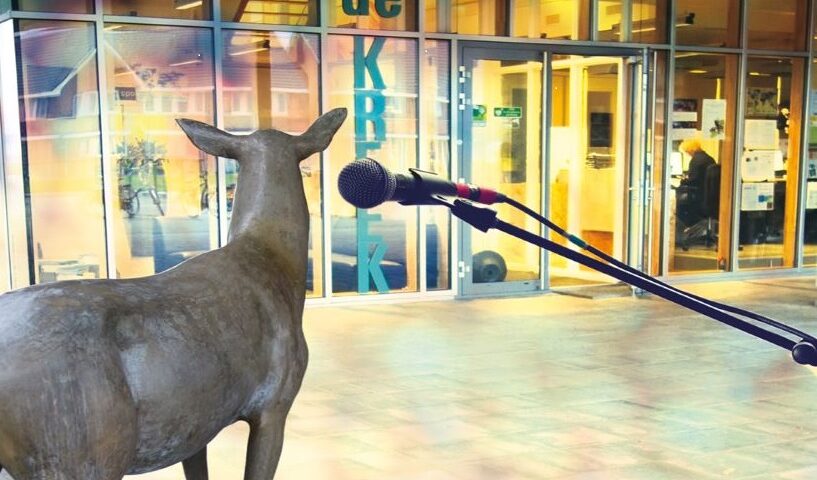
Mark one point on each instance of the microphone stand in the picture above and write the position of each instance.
(803, 352)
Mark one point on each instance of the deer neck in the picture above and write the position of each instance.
(270, 207)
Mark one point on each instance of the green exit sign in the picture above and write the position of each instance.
(508, 112)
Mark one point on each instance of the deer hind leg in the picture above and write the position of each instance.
(195, 467)
(266, 442)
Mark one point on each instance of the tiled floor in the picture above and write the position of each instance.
(547, 387)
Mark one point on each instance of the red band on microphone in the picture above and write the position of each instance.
(463, 190)
(487, 196)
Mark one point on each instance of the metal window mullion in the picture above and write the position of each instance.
(326, 201)
(4, 228)
(625, 24)
(593, 19)
(105, 143)
(544, 158)
(457, 228)
(808, 68)
(800, 217)
(646, 149)
(737, 155)
(269, 27)
(169, 22)
(221, 163)
(13, 146)
(665, 233)
(454, 228)
(420, 148)
(82, 17)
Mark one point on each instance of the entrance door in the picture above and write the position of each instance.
(501, 119)
(586, 110)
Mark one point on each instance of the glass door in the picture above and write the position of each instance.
(589, 111)
(595, 167)
(501, 119)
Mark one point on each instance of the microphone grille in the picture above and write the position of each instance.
(365, 183)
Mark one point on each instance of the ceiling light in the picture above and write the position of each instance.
(264, 46)
(698, 70)
(758, 74)
(185, 4)
(197, 59)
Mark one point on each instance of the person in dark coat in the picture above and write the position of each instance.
(697, 165)
(695, 177)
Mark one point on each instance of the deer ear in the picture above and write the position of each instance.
(210, 139)
(317, 138)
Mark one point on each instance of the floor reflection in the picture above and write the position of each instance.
(546, 387)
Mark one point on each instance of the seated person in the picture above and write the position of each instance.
(693, 182)
(697, 165)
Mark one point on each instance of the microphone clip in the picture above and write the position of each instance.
(427, 185)
(481, 218)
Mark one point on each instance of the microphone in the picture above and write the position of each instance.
(366, 183)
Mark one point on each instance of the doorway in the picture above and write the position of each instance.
(569, 122)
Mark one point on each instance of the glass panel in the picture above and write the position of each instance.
(277, 12)
(588, 148)
(777, 24)
(61, 149)
(164, 210)
(632, 21)
(649, 21)
(376, 79)
(14, 190)
(810, 220)
(659, 139)
(271, 81)
(608, 22)
(467, 17)
(712, 22)
(769, 163)
(374, 14)
(186, 9)
(506, 146)
(56, 6)
(551, 19)
(701, 162)
(436, 158)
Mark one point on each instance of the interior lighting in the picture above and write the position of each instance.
(186, 4)
(264, 46)
(197, 59)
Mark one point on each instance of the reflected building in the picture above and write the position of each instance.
(575, 108)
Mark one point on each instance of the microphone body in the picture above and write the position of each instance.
(366, 183)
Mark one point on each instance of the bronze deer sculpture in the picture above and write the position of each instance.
(103, 378)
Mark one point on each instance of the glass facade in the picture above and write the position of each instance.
(164, 186)
(712, 23)
(182, 9)
(99, 182)
(375, 78)
(62, 162)
(274, 12)
(702, 152)
(770, 163)
(271, 81)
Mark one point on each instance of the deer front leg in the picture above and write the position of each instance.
(195, 467)
(266, 442)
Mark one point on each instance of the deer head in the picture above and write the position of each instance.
(269, 201)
